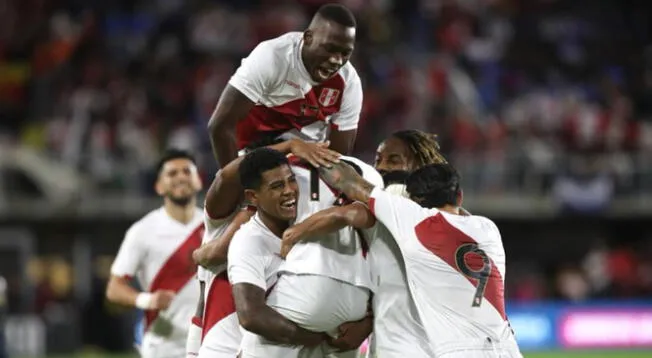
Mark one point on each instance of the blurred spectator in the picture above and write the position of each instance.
(513, 89)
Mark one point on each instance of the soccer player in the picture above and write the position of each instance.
(253, 257)
(328, 303)
(216, 323)
(397, 332)
(407, 150)
(298, 84)
(336, 295)
(456, 263)
(156, 252)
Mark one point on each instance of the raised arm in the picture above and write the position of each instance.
(327, 221)
(344, 178)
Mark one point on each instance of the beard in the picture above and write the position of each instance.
(180, 200)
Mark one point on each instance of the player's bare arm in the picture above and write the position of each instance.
(344, 178)
(231, 108)
(343, 141)
(215, 252)
(257, 317)
(120, 291)
(327, 221)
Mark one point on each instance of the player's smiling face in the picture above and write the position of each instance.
(327, 48)
(278, 193)
(178, 181)
(393, 155)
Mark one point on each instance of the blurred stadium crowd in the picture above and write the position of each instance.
(526, 95)
(545, 97)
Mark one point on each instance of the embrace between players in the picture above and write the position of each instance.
(328, 248)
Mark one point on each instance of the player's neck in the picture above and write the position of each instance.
(450, 209)
(181, 213)
(276, 226)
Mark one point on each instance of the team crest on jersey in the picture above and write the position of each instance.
(328, 96)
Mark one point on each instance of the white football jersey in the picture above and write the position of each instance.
(287, 100)
(221, 334)
(157, 252)
(398, 331)
(342, 255)
(254, 255)
(455, 267)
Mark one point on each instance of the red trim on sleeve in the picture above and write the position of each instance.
(197, 321)
(250, 208)
(372, 205)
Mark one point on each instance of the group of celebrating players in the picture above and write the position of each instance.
(301, 251)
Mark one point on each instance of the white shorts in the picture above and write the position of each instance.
(154, 346)
(318, 303)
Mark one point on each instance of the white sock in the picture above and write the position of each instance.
(194, 338)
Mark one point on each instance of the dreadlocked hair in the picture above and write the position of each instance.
(424, 146)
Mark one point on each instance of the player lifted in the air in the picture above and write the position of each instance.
(156, 251)
(298, 84)
(456, 263)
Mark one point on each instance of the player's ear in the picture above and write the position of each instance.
(307, 37)
(251, 197)
(158, 186)
(460, 198)
(197, 182)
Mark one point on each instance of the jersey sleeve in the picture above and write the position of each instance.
(400, 215)
(349, 115)
(257, 73)
(130, 255)
(246, 261)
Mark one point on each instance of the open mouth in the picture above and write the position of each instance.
(289, 204)
(326, 73)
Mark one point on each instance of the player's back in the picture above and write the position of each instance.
(398, 330)
(456, 270)
(340, 255)
(470, 268)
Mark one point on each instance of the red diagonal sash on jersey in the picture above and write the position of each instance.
(444, 240)
(176, 271)
(219, 302)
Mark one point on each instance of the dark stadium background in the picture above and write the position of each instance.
(545, 106)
